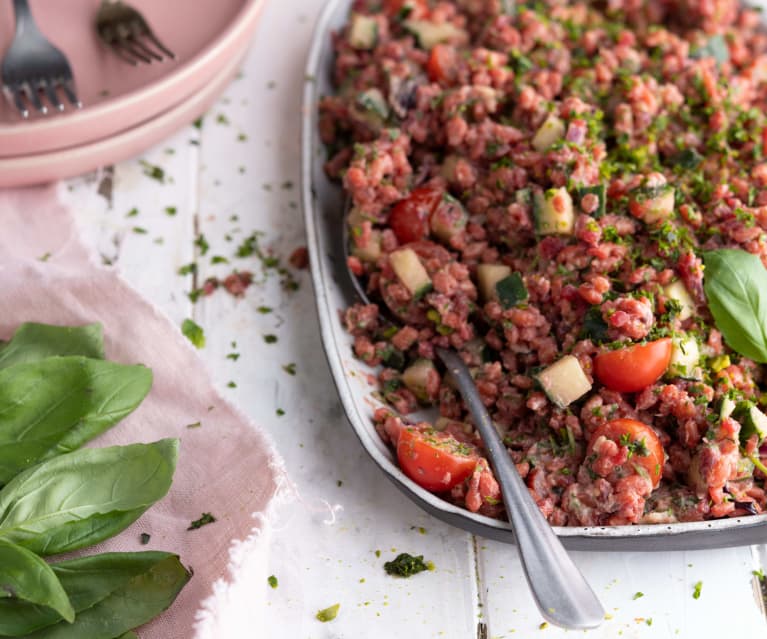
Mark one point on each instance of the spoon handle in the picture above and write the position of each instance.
(563, 596)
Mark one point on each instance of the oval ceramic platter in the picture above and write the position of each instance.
(323, 211)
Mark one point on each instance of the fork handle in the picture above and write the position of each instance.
(23, 16)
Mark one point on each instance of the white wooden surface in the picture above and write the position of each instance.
(326, 547)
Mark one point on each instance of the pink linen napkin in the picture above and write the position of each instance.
(226, 466)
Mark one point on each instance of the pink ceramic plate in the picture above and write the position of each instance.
(204, 34)
(56, 165)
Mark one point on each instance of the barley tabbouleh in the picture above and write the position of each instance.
(539, 190)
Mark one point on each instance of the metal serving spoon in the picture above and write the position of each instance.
(561, 593)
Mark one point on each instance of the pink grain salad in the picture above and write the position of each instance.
(573, 196)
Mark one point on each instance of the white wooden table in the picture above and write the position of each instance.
(238, 174)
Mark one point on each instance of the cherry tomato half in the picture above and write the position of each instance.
(442, 62)
(409, 218)
(434, 460)
(416, 8)
(645, 452)
(633, 368)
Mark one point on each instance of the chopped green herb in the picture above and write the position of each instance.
(45, 257)
(195, 425)
(153, 171)
(132, 213)
(406, 565)
(171, 210)
(139, 230)
(280, 412)
(202, 244)
(204, 520)
(188, 269)
(193, 332)
(145, 537)
(219, 259)
(197, 124)
(328, 614)
(511, 291)
(231, 385)
(233, 356)
(638, 595)
(290, 369)
(272, 581)
(222, 119)
(270, 339)
(696, 590)
(242, 137)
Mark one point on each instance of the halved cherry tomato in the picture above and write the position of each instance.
(644, 451)
(409, 218)
(633, 368)
(441, 66)
(417, 8)
(434, 460)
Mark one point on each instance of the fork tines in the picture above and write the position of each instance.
(25, 94)
(125, 31)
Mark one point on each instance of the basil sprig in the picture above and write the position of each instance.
(735, 284)
(111, 594)
(55, 405)
(32, 342)
(28, 579)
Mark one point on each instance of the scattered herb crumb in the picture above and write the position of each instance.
(231, 385)
(139, 230)
(193, 332)
(406, 565)
(270, 339)
(45, 257)
(273, 583)
(648, 621)
(222, 119)
(759, 574)
(153, 171)
(145, 537)
(544, 625)
(233, 356)
(339, 483)
(287, 185)
(132, 213)
(242, 137)
(202, 244)
(328, 614)
(696, 590)
(197, 124)
(195, 425)
(188, 269)
(378, 553)
(264, 310)
(290, 369)
(638, 595)
(280, 412)
(171, 210)
(204, 520)
(219, 259)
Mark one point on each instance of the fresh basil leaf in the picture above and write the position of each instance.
(32, 342)
(82, 498)
(139, 601)
(511, 290)
(87, 581)
(735, 284)
(55, 405)
(24, 577)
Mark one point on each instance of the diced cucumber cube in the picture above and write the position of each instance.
(363, 32)
(564, 381)
(408, 268)
(752, 421)
(678, 291)
(416, 378)
(685, 354)
(370, 251)
(488, 275)
(553, 212)
(549, 133)
(430, 33)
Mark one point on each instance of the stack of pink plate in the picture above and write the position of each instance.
(126, 109)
